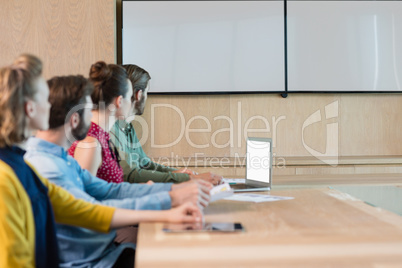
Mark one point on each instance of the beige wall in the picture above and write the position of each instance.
(71, 35)
(67, 35)
(364, 124)
(365, 130)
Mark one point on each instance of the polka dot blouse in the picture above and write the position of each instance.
(110, 169)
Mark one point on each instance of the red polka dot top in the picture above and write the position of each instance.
(110, 169)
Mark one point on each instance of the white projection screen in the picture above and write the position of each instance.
(344, 46)
(240, 47)
(206, 46)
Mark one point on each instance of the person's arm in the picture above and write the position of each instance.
(186, 213)
(139, 175)
(208, 176)
(152, 166)
(184, 171)
(16, 233)
(102, 190)
(156, 201)
(88, 154)
(125, 195)
(137, 166)
(72, 211)
(98, 191)
(196, 192)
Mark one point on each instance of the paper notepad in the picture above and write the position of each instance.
(220, 191)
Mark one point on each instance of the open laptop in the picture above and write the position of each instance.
(258, 166)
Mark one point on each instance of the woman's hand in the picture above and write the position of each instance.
(186, 213)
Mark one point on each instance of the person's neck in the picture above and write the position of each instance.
(22, 145)
(57, 136)
(104, 119)
(27, 133)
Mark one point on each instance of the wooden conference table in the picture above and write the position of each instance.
(320, 227)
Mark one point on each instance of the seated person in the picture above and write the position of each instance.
(47, 153)
(137, 166)
(29, 204)
(112, 99)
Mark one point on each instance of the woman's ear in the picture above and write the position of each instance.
(138, 95)
(118, 101)
(30, 108)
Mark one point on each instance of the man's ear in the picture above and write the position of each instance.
(30, 109)
(138, 95)
(74, 120)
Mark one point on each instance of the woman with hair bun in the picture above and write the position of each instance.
(112, 100)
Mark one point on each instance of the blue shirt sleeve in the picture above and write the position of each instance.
(154, 196)
(69, 175)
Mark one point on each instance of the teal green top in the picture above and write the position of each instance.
(137, 166)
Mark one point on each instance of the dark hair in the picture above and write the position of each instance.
(138, 77)
(110, 81)
(65, 92)
(17, 85)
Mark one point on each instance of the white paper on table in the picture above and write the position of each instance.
(257, 198)
(220, 191)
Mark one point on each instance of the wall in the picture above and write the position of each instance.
(365, 124)
(67, 35)
(363, 131)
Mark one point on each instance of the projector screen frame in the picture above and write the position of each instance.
(284, 93)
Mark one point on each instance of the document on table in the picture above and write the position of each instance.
(257, 198)
(220, 191)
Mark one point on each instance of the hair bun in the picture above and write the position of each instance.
(100, 71)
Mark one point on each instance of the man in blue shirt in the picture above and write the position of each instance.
(47, 153)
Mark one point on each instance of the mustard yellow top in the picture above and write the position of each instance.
(17, 230)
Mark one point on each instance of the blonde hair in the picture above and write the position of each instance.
(16, 86)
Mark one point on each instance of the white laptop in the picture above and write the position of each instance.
(258, 166)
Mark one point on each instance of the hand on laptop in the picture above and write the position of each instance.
(210, 177)
(196, 192)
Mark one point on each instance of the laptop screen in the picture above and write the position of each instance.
(259, 159)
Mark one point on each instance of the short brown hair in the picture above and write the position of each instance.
(16, 86)
(65, 92)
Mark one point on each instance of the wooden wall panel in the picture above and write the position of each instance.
(371, 124)
(364, 124)
(284, 118)
(67, 35)
(192, 124)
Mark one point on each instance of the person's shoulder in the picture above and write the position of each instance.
(6, 173)
(88, 142)
(10, 186)
(47, 165)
